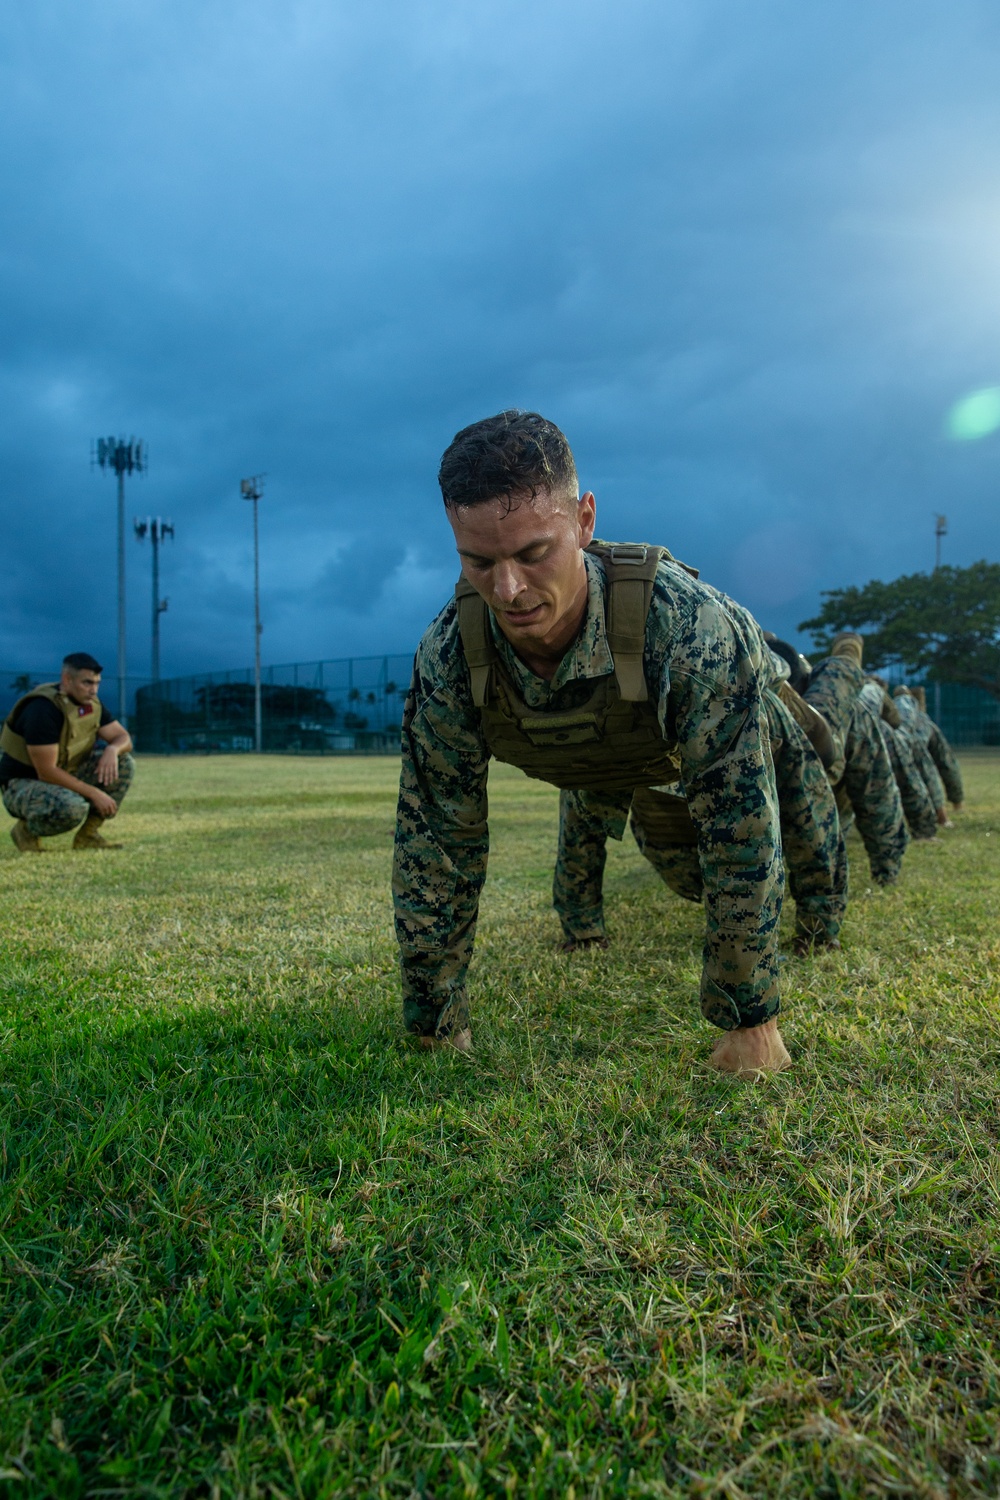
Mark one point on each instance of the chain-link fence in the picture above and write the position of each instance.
(353, 706)
(16, 682)
(348, 707)
(967, 715)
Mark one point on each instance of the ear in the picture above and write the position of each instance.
(586, 517)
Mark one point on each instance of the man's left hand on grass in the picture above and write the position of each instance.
(750, 1050)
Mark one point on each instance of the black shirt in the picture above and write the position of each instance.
(39, 723)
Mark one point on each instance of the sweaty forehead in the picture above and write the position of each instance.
(499, 528)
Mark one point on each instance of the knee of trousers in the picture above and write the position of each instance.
(126, 771)
(56, 814)
(678, 867)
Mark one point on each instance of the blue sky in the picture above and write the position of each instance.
(748, 257)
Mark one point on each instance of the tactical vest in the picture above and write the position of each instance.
(79, 731)
(815, 727)
(613, 741)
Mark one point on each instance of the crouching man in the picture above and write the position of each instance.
(601, 669)
(52, 775)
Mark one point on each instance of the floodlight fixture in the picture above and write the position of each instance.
(940, 530)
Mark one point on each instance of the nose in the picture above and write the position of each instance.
(507, 582)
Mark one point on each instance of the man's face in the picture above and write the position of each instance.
(80, 686)
(525, 559)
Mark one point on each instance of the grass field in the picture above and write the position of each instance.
(254, 1244)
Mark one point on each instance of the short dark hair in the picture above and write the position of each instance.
(82, 661)
(798, 677)
(513, 453)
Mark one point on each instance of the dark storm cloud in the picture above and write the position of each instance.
(744, 255)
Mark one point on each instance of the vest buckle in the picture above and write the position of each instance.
(629, 554)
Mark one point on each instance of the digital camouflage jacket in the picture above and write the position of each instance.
(705, 673)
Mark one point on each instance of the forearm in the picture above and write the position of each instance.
(734, 807)
(56, 776)
(120, 741)
(439, 866)
(739, 985)
(436, 902)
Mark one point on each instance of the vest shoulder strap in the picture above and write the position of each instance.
(630, 569)
(477, 643)
(12, 743)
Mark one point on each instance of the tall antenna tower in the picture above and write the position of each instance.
(252, 489)
(157, 531)
(940, 530)
(121, 458)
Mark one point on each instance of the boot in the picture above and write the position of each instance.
(28, 843)
(89, 835)
(848, 644)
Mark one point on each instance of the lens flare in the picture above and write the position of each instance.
(976, 415)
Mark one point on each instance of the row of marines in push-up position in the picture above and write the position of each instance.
(612, 671)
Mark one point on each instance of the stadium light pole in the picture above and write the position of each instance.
(940, 530)
(252, 489)
(157, 531)
(121, 458)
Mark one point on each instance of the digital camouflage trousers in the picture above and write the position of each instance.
(929, 772)
(867, 793)
(48, 810)
(916, 799)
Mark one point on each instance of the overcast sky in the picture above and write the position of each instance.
(747, 256)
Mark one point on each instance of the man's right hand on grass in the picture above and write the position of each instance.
(103, 805)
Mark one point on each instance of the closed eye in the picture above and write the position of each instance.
(528, 557)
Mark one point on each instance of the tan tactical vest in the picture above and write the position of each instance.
(612, 742)
(78, 735)
(816, 729)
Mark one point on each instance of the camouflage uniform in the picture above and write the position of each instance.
(869, 791)
(946, 761)
(916, 728)
(833, 689)
(917, 805)
(705, 679)
(49, 810)
(815, 856)
(935, 757)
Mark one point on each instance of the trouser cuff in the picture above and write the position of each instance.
(436, 1020)
(723, 1011)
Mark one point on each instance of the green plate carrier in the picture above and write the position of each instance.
(613, 741)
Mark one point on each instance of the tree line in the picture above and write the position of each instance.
(945, 624)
